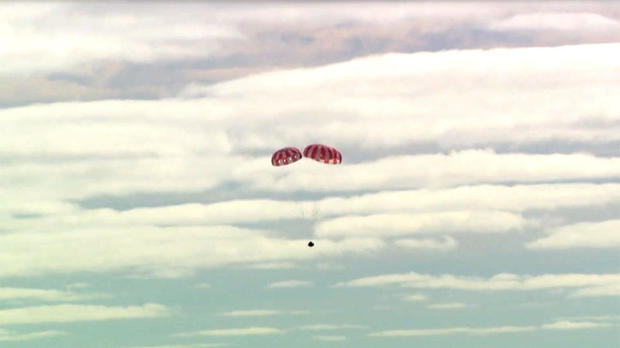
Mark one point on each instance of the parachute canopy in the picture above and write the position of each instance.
(285, 156)
(323, 153)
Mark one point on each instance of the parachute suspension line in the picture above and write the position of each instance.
(315, 211)
(319, 152)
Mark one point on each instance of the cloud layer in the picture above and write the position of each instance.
(499, 282)
(140, 150)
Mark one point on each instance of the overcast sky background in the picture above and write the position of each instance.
(477, 204)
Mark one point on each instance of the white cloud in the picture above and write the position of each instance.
(403, 224)
(566, 21)
(249, 331)
(73, 313)
(483, 331)
(328, 327)
(517, 198)
(193, 145)
(605, 234)
(291, 284)
(251, 313)
(137, 33)
(325, 14)
(6, 335)
(572, 325)
(333, 338)
(48, 295)
(444, 244)
(478, 198)
(608, 318)
(187, 173)
(66, 38)
(146, 175)
(273, 265)
(449, 305)
(260, 313)
(226, 212)
(453, 331)
(115, 127)
(168, 138)
(598, 291)
(499, 282)
(456, 168)
(376, 93)
(157, 251)
(415, 298)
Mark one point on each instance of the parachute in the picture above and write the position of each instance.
(285, 156)
(317, 152)
(323, 153)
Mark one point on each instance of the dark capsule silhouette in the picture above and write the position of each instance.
(310, 244)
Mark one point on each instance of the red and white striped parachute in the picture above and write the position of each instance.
(285, 156)
(323, 153)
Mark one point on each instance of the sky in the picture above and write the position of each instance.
(477, 203)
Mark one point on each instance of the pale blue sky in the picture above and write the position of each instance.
(476, 205)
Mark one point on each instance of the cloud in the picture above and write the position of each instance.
(608, 318)
(450, 305)
(415, 298)
(249, 331)
(330, 338)
(6, 336)
(137, 37)
(484, 331)
(437, 127)
(598, 291)
(499, 282)
(375, 93)
(74, 313)
(260, 313)
(328, 327)
(446, 244)
(167, 139)
(517, 198)
(251, 313)
(148, 34)
(132, 57)
(273, 265)
(226, 212)
(456, 168)
(566, 21)
(291, 284)
(387, 225)
(477, 198)
(47, 295)
(159, 252)
(174, 145)
(571, 325)
(453, 331)
(581, 235)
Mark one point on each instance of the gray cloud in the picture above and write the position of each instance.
(146, 61)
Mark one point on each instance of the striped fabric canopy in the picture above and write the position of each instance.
(323, 153)
(285, 156)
